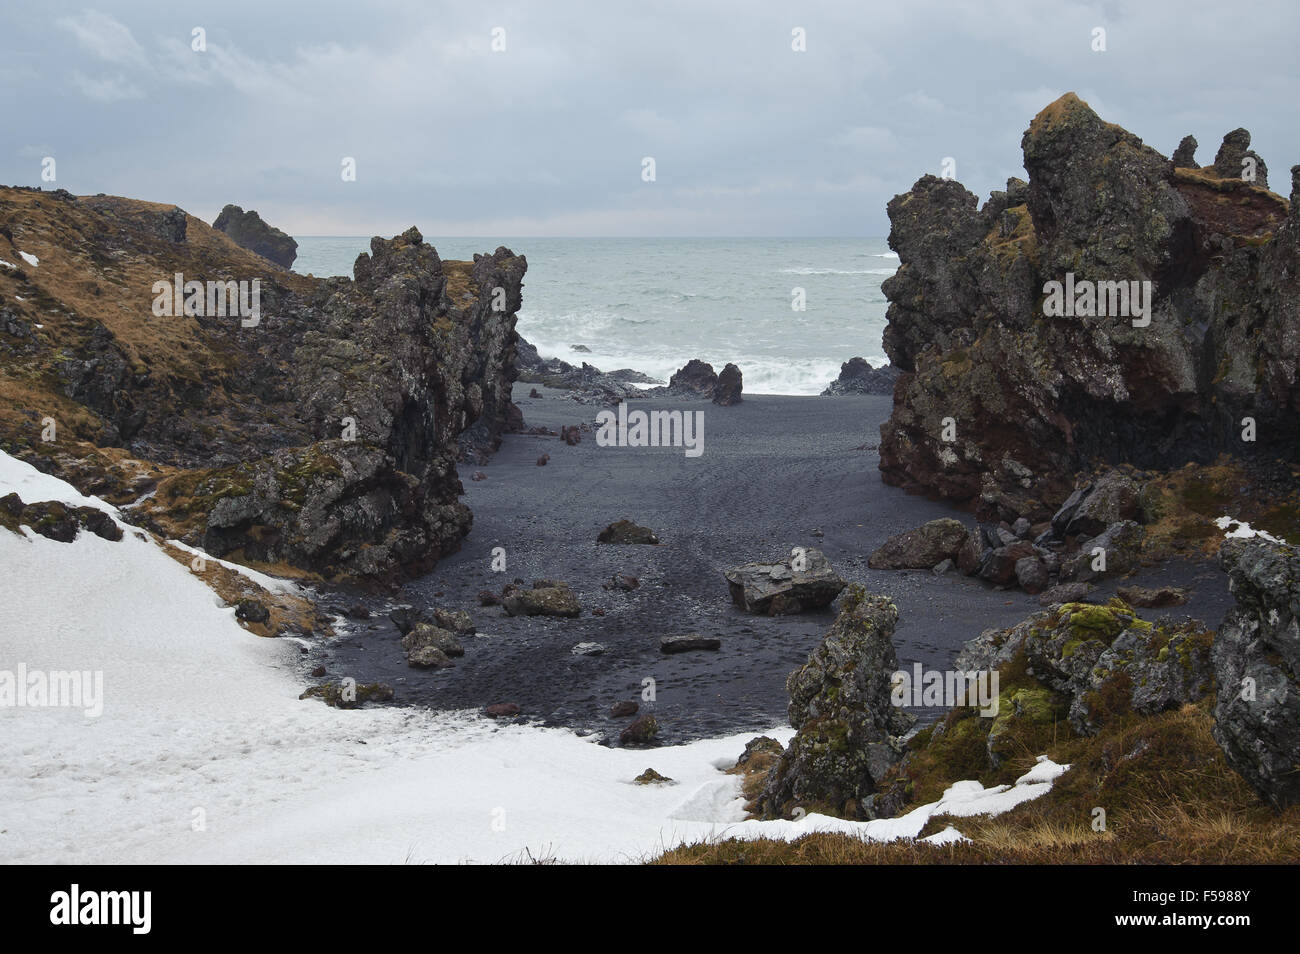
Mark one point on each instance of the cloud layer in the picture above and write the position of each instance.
(547, 136)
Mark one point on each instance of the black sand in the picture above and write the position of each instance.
(773, 470)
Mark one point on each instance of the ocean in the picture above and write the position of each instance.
(653, 304)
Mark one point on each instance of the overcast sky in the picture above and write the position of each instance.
(547, 137)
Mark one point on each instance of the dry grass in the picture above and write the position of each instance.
(1168, 795)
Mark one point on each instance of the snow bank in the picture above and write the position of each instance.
(204, 753)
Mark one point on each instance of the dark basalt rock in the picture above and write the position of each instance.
(727, 390)
(857, 376)
(1185, 155)
(848, 731)
(251, 611)
(640, 732)
(55, 520)
(778, 588)
(921, 548)
(625, 531)
(247, 230)
(685, 644)
(1035, 399)
(554, 599)
(1098, 656)
(325, 436)
(695, 378)
(1257, 669)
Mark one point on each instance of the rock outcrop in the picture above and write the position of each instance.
(1257, 668)
(248, 231)
(1103, 660)
(729, 385)
(324, 434)
(1002, 400)
(857, 376)
(847, 730)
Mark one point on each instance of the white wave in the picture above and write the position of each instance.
(838, 271)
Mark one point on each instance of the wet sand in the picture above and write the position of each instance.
(773, 470)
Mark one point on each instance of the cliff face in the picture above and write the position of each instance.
(1034, 397)
(322, 433)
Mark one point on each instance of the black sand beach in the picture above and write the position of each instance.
(774, 470)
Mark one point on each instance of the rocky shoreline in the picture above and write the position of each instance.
(1109, 464)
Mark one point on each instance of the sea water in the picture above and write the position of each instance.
(653, 304)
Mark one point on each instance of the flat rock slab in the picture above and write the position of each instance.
(805, 580)
(686, 644)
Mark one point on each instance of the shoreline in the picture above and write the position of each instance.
(774, 470)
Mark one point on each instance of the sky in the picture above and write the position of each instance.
(535, 119)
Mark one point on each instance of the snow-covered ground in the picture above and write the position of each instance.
(204, 753)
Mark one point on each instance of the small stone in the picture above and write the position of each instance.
(502, 710)
(651, 777)
(623, 709)
(587, 649)
(251, 611)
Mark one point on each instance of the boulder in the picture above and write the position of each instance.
(727, 390)
(251, 611)
(428, 657)
(1065, 593)
(857, 376)
(1032, 574)
(1147, 597)
(349, 696)
(502, 710)
(651, 777)
(998, 565)
(696, 378)
(554, 600)
(424, 635)
(1112, 499)
(625, 531)
(456, 621)
(640, 732)
(623, 708)
(685, 644)
(921, 548)
(777, 588)
(1257, 668)
(1122, 543)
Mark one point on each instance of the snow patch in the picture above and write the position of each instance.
(29, 258)
(205, 754)
(1241, 530)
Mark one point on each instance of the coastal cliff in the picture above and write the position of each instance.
(1000, 404)
(312, 425)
